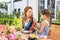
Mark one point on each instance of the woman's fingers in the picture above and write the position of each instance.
(34, 27)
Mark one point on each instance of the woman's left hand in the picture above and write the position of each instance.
(34, 28)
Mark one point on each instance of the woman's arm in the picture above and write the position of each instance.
(35, 22)
(42, 28)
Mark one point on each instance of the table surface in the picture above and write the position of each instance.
(26, 37)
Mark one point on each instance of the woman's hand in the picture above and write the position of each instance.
(34, 28)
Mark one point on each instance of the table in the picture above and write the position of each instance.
(26, 37)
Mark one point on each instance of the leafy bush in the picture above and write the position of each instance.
(6, 18)
(58, 15)
(17, 23)
(17, 14)
(3, 21)
(57, 18)
(41, 19)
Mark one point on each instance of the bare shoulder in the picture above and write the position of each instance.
(44, 23)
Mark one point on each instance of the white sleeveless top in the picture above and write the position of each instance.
(47, 22)
(44, 32)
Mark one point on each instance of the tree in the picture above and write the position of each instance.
(5, 6)
(58, 15)
(17, 14)
(1, 5)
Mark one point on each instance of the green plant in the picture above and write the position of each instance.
(7, 32)
(39, 16)
(58, 15)
(17, 23)
(17, 14)
(41, 19)
(18, 36)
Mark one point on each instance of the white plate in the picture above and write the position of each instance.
(26, 31)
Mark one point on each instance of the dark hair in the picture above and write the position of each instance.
(25, 10)
(47, 13)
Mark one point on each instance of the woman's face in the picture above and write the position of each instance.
(29, 13)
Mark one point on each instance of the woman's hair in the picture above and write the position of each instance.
(47, 13)
(25, 11)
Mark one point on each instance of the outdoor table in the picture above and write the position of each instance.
(24, 36)
(27, 35)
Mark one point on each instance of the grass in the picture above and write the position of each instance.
(56, 22)
(5, 20)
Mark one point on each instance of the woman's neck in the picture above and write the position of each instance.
(27, 19)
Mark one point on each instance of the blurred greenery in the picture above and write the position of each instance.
(17, 14)
(17, 22)
(5, 18)
(13, 21)
(57, 18)
(41, 19)
(8, 18)
(58, 15)
(57, 21)
(18, 36)
(38, 16)
(3, 5)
